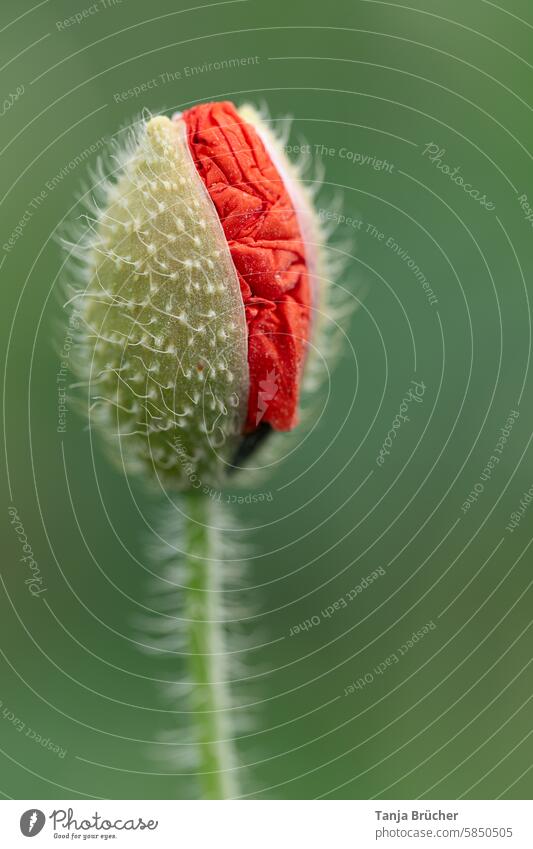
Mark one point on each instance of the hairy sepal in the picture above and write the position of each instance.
(163, 345)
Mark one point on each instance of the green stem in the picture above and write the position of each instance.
(206, 646)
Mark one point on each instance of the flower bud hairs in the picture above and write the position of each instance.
(204, 296)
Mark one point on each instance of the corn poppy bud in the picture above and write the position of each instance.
(201, 283)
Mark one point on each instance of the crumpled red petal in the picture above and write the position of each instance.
(265, 241)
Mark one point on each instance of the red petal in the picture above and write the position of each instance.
(265, 241)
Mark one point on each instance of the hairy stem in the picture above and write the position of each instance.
(203, 587)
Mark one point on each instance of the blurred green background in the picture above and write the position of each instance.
(452, 717)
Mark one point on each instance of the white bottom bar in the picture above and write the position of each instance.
(268, 824)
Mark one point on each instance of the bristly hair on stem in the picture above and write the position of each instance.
(205, 634)
(192, 622)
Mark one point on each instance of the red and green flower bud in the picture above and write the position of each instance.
(201, 284)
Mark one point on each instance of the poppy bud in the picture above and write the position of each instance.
(201, 270)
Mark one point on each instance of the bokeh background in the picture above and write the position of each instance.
(451, 716)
